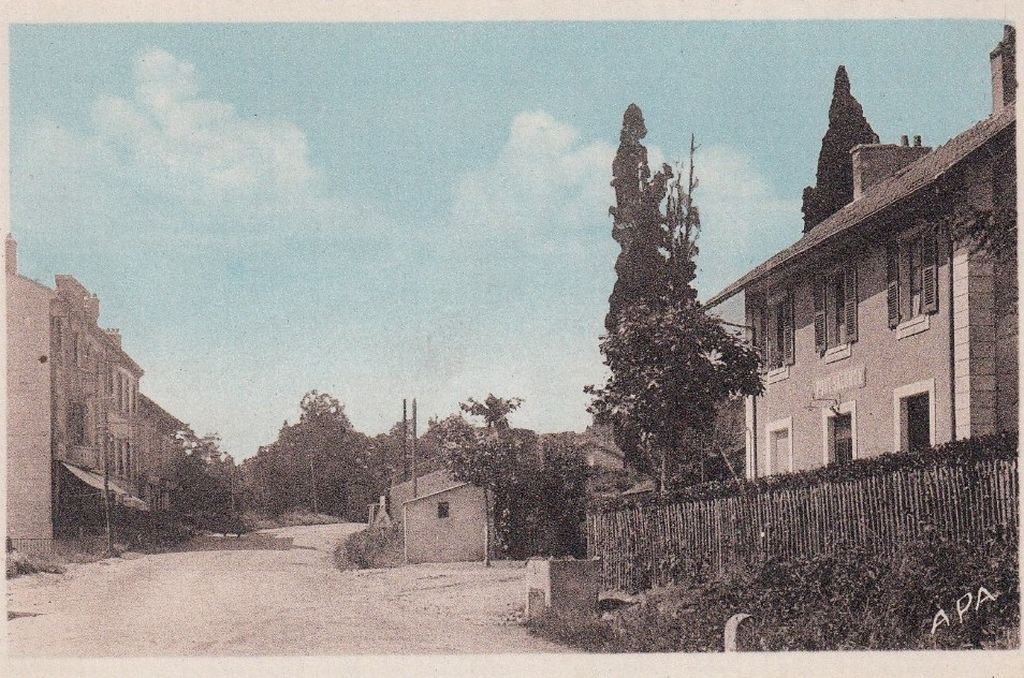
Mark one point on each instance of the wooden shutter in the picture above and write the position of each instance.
(819, 315)
(929, 277)
(850, 312)
(893, 292)
(788, 354)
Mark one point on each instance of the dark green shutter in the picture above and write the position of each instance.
(819, 315)
(850, 312)
(893, 291)
(789, 356)
(929, 276)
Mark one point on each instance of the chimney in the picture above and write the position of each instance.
(1003, 60)
(11, 255)
(873, 163)
(115, 335)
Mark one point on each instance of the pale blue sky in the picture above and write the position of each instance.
(383, 211)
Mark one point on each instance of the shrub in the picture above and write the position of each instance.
(852, 600)
(370, 548)
(19, 563)
(995, 446)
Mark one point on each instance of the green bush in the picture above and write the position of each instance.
(996, 446)
(19, 563)
(852, 600)
(370, 548)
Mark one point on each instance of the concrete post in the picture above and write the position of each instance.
(731, 627)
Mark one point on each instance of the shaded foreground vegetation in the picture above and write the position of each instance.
(912, 600)
(370, 548)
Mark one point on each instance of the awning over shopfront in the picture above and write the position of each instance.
(94, 479)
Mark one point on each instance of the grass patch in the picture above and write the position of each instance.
(19, 563)
(369, 549)
(291, 519)
(851, 601)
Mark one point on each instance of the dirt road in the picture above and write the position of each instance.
(267, 601)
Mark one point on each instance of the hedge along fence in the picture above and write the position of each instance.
(960, 490)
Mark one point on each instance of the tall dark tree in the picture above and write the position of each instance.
(638, 224)
(672, 364)
(847, 127)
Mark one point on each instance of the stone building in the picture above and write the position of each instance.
(883, 328)
(160, 451)
(73, 410)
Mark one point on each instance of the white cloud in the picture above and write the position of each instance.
(544, 184)
(173, 139)
(175, 159)
(743, 220)
(510, 283)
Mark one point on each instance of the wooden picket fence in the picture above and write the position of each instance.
(648, 545)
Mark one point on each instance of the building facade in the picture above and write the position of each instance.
(74, 419)
(886, 328)
(160, 450)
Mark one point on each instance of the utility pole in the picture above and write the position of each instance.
(231, 485)
(312, 481)
(414, 493)
(405, 442)
(106, 495)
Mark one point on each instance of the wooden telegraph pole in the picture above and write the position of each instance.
(414, 488)
(312, 481)
(405, 441)
(106, 497)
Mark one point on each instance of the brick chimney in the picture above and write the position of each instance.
(1003, 60)
(873, 163)
(11, 255)
(115, 335)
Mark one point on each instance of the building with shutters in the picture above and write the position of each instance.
(884, 328)
(74, 413)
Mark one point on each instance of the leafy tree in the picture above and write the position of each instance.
(319, 463)
(672, 364)
(535, 485)
(493, 410)
(203, 475)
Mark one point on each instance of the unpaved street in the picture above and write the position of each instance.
(266, 602)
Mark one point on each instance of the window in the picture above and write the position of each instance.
(917, 422)
(835, 309)
(442, 509)
(841, 439)
(780, 446)
(914, 416)
(780, 335)
(76, 423)
(912, 278)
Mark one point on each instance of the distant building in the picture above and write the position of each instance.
(880, 330)
(442, 520)
(160, 452)
(73, 409)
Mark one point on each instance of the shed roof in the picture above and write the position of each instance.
(434, 494)
(912, 178)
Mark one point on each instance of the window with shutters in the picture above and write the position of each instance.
(781, 332)
(912, 292)
(835, 312)
(76, 423)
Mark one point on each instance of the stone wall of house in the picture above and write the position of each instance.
(29, 465)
